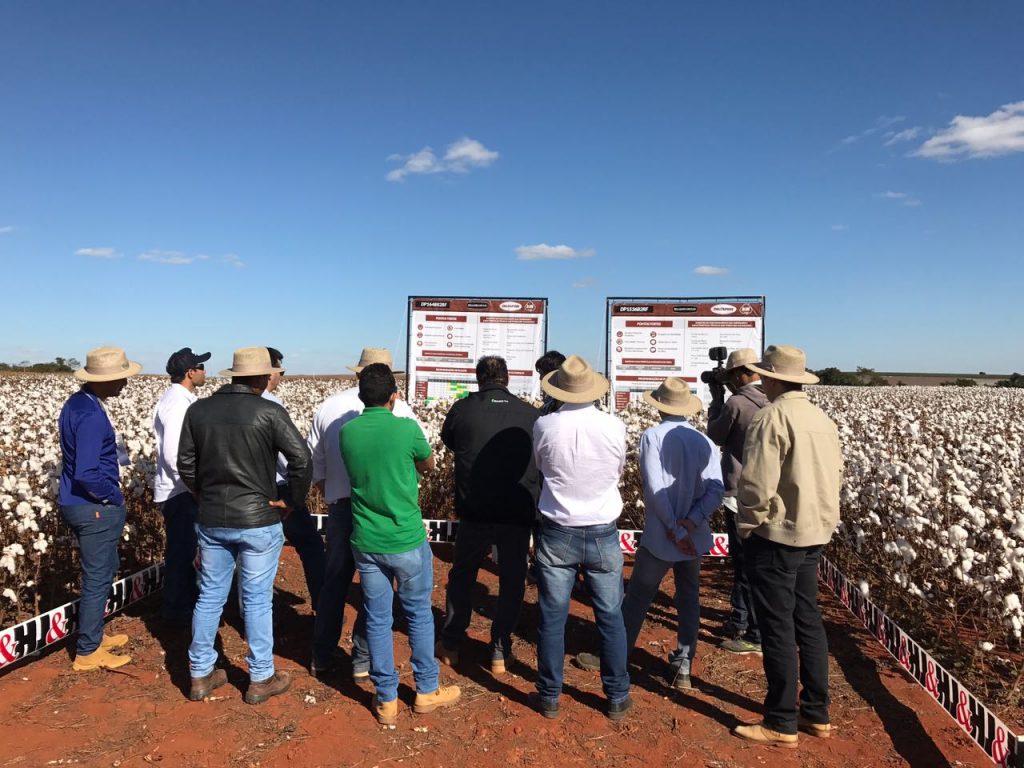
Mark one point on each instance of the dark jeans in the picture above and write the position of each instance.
(472, 544)
(180, 590)
(784, 583)
(300, 531)
(330, 611)
(743, 617)
(97, 528)
(560, 552)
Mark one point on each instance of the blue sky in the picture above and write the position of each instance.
(227, 174)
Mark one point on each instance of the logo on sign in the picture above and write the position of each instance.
(510, 306)
(684, 309)
(478, 305)
(746, 309)
(723, 309)
(529, 306)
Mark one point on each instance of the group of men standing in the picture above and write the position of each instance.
(232, 467)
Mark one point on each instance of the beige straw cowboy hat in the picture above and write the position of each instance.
(373, 355)
(785, 364)
(674, 398)
(107, 364)
(250, 361)
(574, 381)
(740, 357)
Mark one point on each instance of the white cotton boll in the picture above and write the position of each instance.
(11, 595)
(986, 646)
(1011, 603)
(865, 589)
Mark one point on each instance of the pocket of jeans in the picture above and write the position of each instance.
(610, 554)
(553, 547)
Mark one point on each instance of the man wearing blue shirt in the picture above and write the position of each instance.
(90, 498)
(682, 479)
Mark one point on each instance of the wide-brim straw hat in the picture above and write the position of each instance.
(250, 361)
(107, 364)
(371, 355)
(785, 364)
(740, 357)
(674, 398)
(574, 381)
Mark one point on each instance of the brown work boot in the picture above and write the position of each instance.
(203, 686)
(386, 712)
(272, 686)
(113, 641)
(101, 658)
(444, 696)
(446, 655)
(762, 734)
(820, 730)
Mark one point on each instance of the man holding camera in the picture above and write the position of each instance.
(728, 421)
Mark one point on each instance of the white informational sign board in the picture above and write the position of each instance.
(448, 334)
(651, 339)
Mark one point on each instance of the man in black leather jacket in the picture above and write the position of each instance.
(227, 457)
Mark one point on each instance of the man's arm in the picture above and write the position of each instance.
(449, 426)
(187, 456)
(318, 450)
(711, 488)
(422, 456)
(89, 432)
(168, 448)
(656, 500)
(289, 443)
(720, 422)
(763, 452)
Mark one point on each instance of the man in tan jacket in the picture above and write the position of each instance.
(788, 508)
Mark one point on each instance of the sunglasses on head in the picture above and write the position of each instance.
(199, 367)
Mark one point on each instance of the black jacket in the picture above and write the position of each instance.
(227, 457)
(491, 434)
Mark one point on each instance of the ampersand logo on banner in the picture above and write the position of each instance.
(999, 750)
(7, 649)
(58, 627)
(904, 653)
(844, 597)
(930, 683)
(880, 632)
(627, 542)
(720, 546)
(137, 591)
(963, 713)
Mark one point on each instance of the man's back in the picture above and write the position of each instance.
(491, 434)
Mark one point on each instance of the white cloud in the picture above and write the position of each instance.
(586, 282)
(233, 260)
(6, 230)
(840, 227)
(881, 124)
(170, 257)
(901, 197)
(545, 251)
(904, 135)
(98, 253)
(1000, 133)
(462, 156)
(706, 271)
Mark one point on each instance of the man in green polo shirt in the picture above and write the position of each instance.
(383, 454)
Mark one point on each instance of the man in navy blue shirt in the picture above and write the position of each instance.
(90, 497)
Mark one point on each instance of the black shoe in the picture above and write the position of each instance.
(546, 707)
(618, 710)
(323, 672)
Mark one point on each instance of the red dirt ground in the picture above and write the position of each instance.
(140, 716)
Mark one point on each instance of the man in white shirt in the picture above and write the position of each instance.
(580, 452)
(299, 529)
(331, 477)
(187, 372)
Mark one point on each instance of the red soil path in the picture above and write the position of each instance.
(140, 716)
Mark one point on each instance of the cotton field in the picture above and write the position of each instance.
(933, 515)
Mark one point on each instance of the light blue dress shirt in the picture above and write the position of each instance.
(682, 477)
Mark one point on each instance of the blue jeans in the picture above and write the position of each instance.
(743, 617)
(648, 571)
(258, 551)
(414, 574)
(97, 528)
(301, 533)
(560, 551)
(330, 610)
(179, 593)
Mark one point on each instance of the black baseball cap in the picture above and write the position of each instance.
(184, 360)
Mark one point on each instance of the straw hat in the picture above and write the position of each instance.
(740, 357)
(250, 361)
(574, 381)
(785, 364)
(107, 364)
(674, 398)
(373, 355)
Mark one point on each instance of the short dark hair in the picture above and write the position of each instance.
(548, 362)
(177, 378)
(276, 358)
(491, 369)
(376, 385)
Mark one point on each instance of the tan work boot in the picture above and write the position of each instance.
(264, 689)
(444, 696)
(101, 658)
(445, 655)
(820, 730)
(761, 734)
(203, 686)
(386, 712)
(113, 641)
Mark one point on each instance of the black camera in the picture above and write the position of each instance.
(718, 373)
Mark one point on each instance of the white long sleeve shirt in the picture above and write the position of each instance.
(581, 452)
(281, 475)
(167, 421)
(334, 413)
